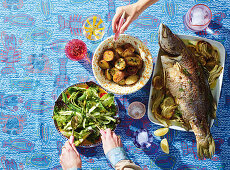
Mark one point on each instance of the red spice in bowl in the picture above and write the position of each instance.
(75, 50)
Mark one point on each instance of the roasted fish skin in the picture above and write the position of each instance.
(188, 84)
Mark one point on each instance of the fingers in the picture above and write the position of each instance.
(108, 133)
(71, 139)
(125, 25)
(102, 132)
(102, 135)
(116, 18)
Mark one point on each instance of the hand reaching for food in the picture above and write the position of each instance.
(70, 158)
(110, 140)
(114, 151)
(131, 13)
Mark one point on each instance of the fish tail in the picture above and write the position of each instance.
(61, 22)
(207, 149)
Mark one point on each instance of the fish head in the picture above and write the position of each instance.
(169, 42)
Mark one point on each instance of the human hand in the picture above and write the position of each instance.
(70, 157)
(131, 13)
(109, 140)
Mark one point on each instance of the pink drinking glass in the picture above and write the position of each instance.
(198, 17)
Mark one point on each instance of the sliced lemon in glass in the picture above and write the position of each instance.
(94, 28)
(161, 131)
(165, 146)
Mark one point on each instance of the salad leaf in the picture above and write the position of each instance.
(92, 112)
(108, 99)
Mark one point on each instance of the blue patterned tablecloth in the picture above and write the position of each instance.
(34, 70)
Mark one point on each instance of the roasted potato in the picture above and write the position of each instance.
(130, 47)
(120, 64)
(103, 64)
(131, 79)
(122, 82)
(113, 71)
(118, 76)
(141, 64)
(133, 61)
(119, 50)
(108, 55)
(132, 70)
(127, 53)
(108, 75)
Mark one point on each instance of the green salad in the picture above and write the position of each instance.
(92, 109)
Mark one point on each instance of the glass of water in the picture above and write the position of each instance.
(198, 17)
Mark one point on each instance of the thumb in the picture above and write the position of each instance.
(125, 25)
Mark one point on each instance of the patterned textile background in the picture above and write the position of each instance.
(34, 70)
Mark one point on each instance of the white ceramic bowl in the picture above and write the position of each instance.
(215, 92)
(110, 85)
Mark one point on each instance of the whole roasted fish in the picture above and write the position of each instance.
(188, 83)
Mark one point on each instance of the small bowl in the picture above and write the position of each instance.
(143, 144)
(136, 110)
(75, 49)
(146, 70)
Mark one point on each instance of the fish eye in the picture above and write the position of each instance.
(28, 107)
(30, 19)
(29, 144)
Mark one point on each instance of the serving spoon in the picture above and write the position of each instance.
(121, 22)
(74, 124)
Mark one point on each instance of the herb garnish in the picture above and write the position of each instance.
(185, 71)
(181, 89)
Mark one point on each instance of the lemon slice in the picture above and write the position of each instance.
(161, 131)
(94, 28)
(165, 146)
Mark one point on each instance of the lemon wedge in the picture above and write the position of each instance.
(161, 131)
(165, 146)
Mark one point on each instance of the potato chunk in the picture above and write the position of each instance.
(127, 53)
(108, 75)
(118, 76)
(122, 82)
(119, 50)
(103, 64)
(120, 64)
(130, 47)
(108, 55)
(132, 70)
(131, 79)
(133, 61)
(113, 71)
(141, 64)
